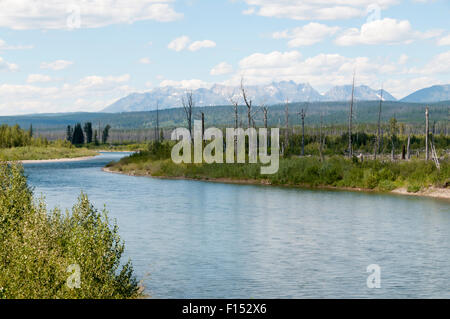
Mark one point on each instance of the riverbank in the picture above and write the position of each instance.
(34, 154)
(433, 192)
(57, 160)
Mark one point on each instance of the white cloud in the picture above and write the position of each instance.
(307, 35)
(313, 9)
(274, 59)
(403, 59)
(186, 84)
(5, 46)
(101, 82)
(179, 44)
(7, 66)
(33, 78)
(444, 40)
(221, 69)
(92, 93)
(385, 31)
(322, 71)
(145, 61)
(197, 45)
(56, 65)
(57, 14)
(182, 43)
(439, 64)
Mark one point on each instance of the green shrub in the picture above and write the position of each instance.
(37, 247)
(386, 185)
(413, 188)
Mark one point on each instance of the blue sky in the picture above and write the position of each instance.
(66, 56)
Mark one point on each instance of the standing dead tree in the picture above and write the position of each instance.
(248, 103)
(188, 105)
(265, 110)
(286, 116)
(408, 148)
(322, 139)
(234, 103)
(157, 122)
(427, 132)
(377, 146)
(302, 114)
(350, 118)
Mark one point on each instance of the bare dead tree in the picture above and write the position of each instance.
(286, 119)
(427, 132)
(265, 110)
(408, 148)
(321, 139)
(248, 103)
(235, 103)
(377, 147)
(350, 118)
(302, 114)
(203, 126)
(157, 121)
(188, 104)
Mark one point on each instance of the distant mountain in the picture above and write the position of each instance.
(274, 93)
(169, 96)
(363, 92)
(435, 93)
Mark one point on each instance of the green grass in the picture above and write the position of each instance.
(43, 153)
(38, 246)
(130, 147)
(335, 171)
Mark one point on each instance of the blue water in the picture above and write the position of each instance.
(192, 239)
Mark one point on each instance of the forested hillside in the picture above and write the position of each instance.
(331, 112)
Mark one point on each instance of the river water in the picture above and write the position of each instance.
(193, 239)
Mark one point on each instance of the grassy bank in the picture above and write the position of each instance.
(334, 171)
(43, 153)
(41, 251)
(129, 147)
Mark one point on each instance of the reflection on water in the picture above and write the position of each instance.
(191, 239)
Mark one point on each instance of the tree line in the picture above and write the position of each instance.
(14, 136)
(79, 135)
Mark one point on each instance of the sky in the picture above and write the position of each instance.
(70, 56)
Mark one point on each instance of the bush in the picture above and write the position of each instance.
(37, 247)
(413, 188)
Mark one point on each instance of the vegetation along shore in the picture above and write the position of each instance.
(41, 249)
(415, 176)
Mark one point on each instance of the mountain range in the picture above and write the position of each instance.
(435, 93)
(274, 93)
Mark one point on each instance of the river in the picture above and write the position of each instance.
(193, 239)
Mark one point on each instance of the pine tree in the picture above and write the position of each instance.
(95, 137)
(88, 131)
(105, 134)
(78, 136)
(30, 132)
(69, 133)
